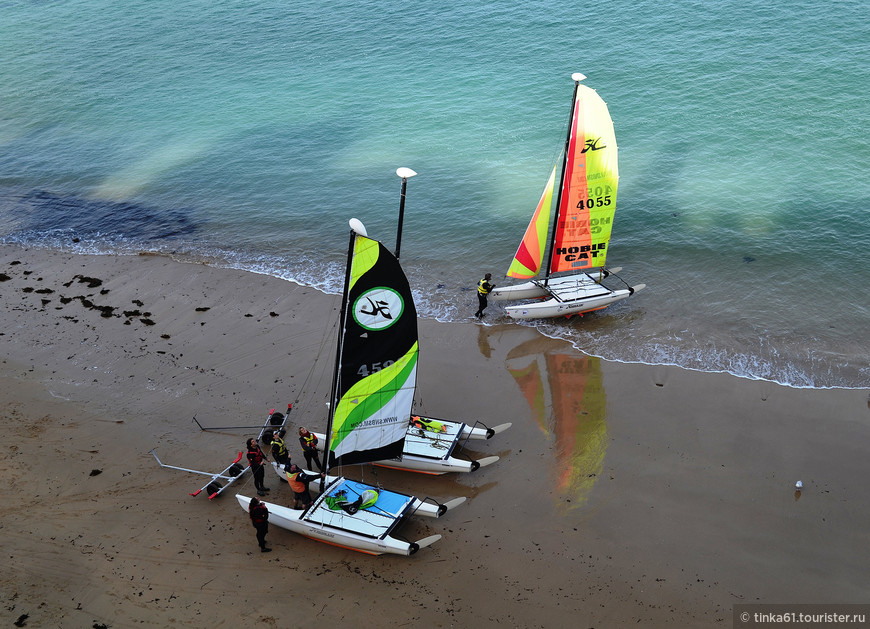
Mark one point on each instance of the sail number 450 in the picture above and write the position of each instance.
(592, 202)
(367, 370)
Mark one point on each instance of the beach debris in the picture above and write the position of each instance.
(92, 282)
(95, 472)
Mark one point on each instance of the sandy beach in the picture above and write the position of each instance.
(625, 494)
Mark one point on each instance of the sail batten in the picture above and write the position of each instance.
(377, 374)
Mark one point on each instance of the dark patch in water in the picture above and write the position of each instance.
(748, 259)
(42, 211)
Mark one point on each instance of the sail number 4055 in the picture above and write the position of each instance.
(592, 202)
(367, 370)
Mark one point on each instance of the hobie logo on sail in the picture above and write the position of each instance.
(378, 308)
(592, 145)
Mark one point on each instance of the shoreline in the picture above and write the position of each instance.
(625, 492)
(751, 364)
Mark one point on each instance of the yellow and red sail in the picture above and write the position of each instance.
(528, 258)
(587, 197)
(588, 201)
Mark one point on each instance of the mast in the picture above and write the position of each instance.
(356, 227)
(405, 174)
(577, 77)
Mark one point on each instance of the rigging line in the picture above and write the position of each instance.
(329, 323)
(166, 380)
(236, 375)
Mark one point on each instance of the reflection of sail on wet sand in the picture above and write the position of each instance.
(566, 394)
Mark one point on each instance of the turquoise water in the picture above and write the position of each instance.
(246, 134)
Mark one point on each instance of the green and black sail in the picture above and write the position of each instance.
(377, 359)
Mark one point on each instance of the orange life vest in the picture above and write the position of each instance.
(295, 484)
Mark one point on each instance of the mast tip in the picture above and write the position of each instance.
(577, 76)
(405, 173)
(357, 226)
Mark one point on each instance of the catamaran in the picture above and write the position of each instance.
(586, 203)
(370, 410)
(431, 445)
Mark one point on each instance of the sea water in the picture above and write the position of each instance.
(246, 134)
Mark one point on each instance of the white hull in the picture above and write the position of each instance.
(478, 433)
(526, 290)
(556, 308)
(335, 527)
(431, 453)
(441, 466)
(534, 289)
(568, 295)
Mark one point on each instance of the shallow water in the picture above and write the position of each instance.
(247, 134)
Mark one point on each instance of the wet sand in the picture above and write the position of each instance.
(625, 494)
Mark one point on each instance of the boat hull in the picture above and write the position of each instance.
(537, 289)
(568, 295)
(441, 466)
(431, 453)
(556, 308)
(290, 519)
(356, 531)
(527, 290)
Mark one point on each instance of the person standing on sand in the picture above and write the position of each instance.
(279, 450)
(260, 518)
(308, 442)
(256, 459)
(484, 288)
(299, 481)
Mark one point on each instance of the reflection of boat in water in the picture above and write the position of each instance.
(566, 394)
